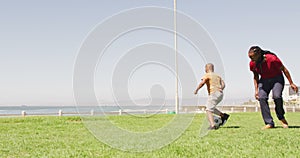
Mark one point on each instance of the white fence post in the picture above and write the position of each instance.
(60, 113)
(23, 113)
(166, 111)
(294, 108)
(120, 112)
(245, 109)
(92, 112)
(185, 110)
(285, 108)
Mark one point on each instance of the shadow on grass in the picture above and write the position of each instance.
(272, 128)
(289, 127)
(231, 127)
(294, 126)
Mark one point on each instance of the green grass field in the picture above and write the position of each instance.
(68, 137)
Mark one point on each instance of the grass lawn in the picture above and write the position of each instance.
(242, 136)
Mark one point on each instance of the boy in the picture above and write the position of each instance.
(215, 86)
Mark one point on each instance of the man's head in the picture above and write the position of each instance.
(254, 53)
(209, 67)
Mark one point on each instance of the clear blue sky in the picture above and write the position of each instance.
(40, 41)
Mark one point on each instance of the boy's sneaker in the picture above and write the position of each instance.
(224, 118)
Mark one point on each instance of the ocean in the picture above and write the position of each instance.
(82, 110)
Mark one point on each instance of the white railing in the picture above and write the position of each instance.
(185, 109)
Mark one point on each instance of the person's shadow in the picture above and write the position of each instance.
(294, 126)
(289, 127)
(231, 127)
(275, 127)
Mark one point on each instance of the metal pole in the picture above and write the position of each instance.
(176, 60)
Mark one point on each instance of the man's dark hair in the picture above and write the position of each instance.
(258, 50)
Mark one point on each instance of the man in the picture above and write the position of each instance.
(268, 73)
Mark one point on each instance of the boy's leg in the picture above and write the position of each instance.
(210, 106)
(217, 97)
(221, 114)
(217, 112)
(210, 118)
(224, 116)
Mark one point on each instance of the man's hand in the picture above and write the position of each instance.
(256, 95)
(294, 87)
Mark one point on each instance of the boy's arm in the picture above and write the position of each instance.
(201, 84)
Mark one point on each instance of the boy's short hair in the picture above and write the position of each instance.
(210, 66)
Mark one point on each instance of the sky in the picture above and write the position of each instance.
(40, 42)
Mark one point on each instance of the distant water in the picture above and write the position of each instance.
(79, 110)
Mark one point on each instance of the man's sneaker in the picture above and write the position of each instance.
(224, 118)
(284, 123)
(268, 126)
(212, 128)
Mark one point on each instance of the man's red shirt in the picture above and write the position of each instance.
(269, 68)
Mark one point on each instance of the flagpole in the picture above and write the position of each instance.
(176, 60)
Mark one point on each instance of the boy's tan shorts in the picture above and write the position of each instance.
(213, 100)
